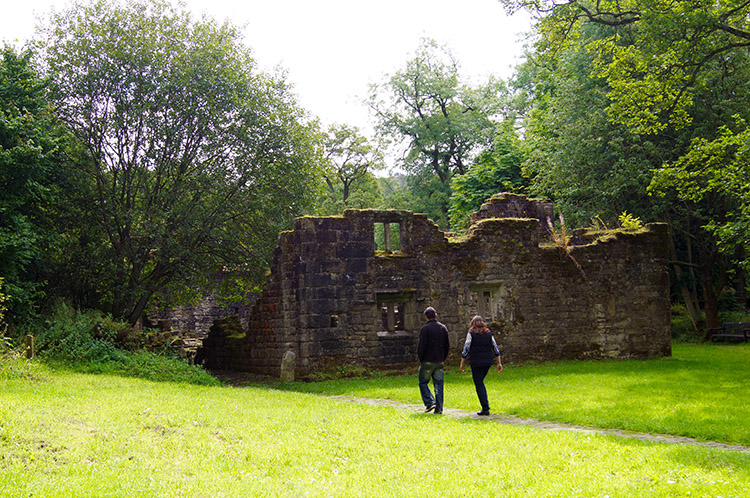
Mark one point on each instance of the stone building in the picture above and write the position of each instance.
(351, 289)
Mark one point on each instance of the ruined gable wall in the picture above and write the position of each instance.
(322, 299)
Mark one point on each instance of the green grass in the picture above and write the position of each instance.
(65, 433)
(701, 392)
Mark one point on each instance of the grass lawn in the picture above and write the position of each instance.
(95, 435)
(702, 391)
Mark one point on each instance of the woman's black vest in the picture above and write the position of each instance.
(481, 352)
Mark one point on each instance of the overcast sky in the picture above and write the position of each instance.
(333, 49)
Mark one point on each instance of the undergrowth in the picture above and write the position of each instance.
(92, 342)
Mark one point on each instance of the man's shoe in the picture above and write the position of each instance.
(429, 408)
(438, 412)
(483, 413)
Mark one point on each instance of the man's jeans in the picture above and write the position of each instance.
(436, 372)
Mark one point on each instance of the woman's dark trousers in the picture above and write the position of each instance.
(478, 374)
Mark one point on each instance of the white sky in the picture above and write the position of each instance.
(333, 49)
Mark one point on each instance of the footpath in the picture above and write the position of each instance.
(549, 426)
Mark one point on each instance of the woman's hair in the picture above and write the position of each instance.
(478, 326)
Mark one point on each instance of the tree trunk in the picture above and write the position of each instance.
(687, 297)
(137, 310)
(711, 306)
(740, 284)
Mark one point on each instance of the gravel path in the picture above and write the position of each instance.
(549, 426)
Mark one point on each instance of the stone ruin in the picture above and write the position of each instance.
(351, 290)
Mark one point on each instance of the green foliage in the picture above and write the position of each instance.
(73, 336)
(629, 222)
(350, 162)
(395, 192)
(197, 159)
(93, 342)
(34, 171)
(497, 169)
(440, 123)
(654, 55)
(428, 195)
(573, 153)
(716, 170)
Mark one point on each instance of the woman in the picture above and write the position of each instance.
(482, 351)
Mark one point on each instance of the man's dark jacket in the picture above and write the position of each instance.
(433, 342)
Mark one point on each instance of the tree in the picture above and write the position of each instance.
(196, 158)
(590, 166)
(497, 169)
(656, 53)
(350, 163)
(442, 123)
(713, 174)
(34, 173)
(598, 131)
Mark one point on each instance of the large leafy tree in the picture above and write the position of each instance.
(441, 123)
(655, 55)
(35, 171)
(348, 171)
(498, 169)
(619, 94)
(197, 158)
(592, 168)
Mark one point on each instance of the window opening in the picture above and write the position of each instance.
(388, 237)
(484, 305)
(392, 316)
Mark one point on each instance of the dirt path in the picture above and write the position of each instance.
(549, 426)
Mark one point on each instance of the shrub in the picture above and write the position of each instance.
(71, 335)
(92, 342)
(630, 222)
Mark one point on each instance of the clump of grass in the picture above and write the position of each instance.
(14, 364)
(562, 240)
(146, 365)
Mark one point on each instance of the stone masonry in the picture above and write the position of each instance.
(335, 298)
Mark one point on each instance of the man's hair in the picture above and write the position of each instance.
(430, 313)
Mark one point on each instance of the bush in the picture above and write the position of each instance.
(92, 342)
(71, 335)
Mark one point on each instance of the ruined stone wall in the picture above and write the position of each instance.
(333, 299)
(198, 318)
(506, 205)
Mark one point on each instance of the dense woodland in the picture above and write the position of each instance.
(142, 152)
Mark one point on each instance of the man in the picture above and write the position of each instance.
(432, 352)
